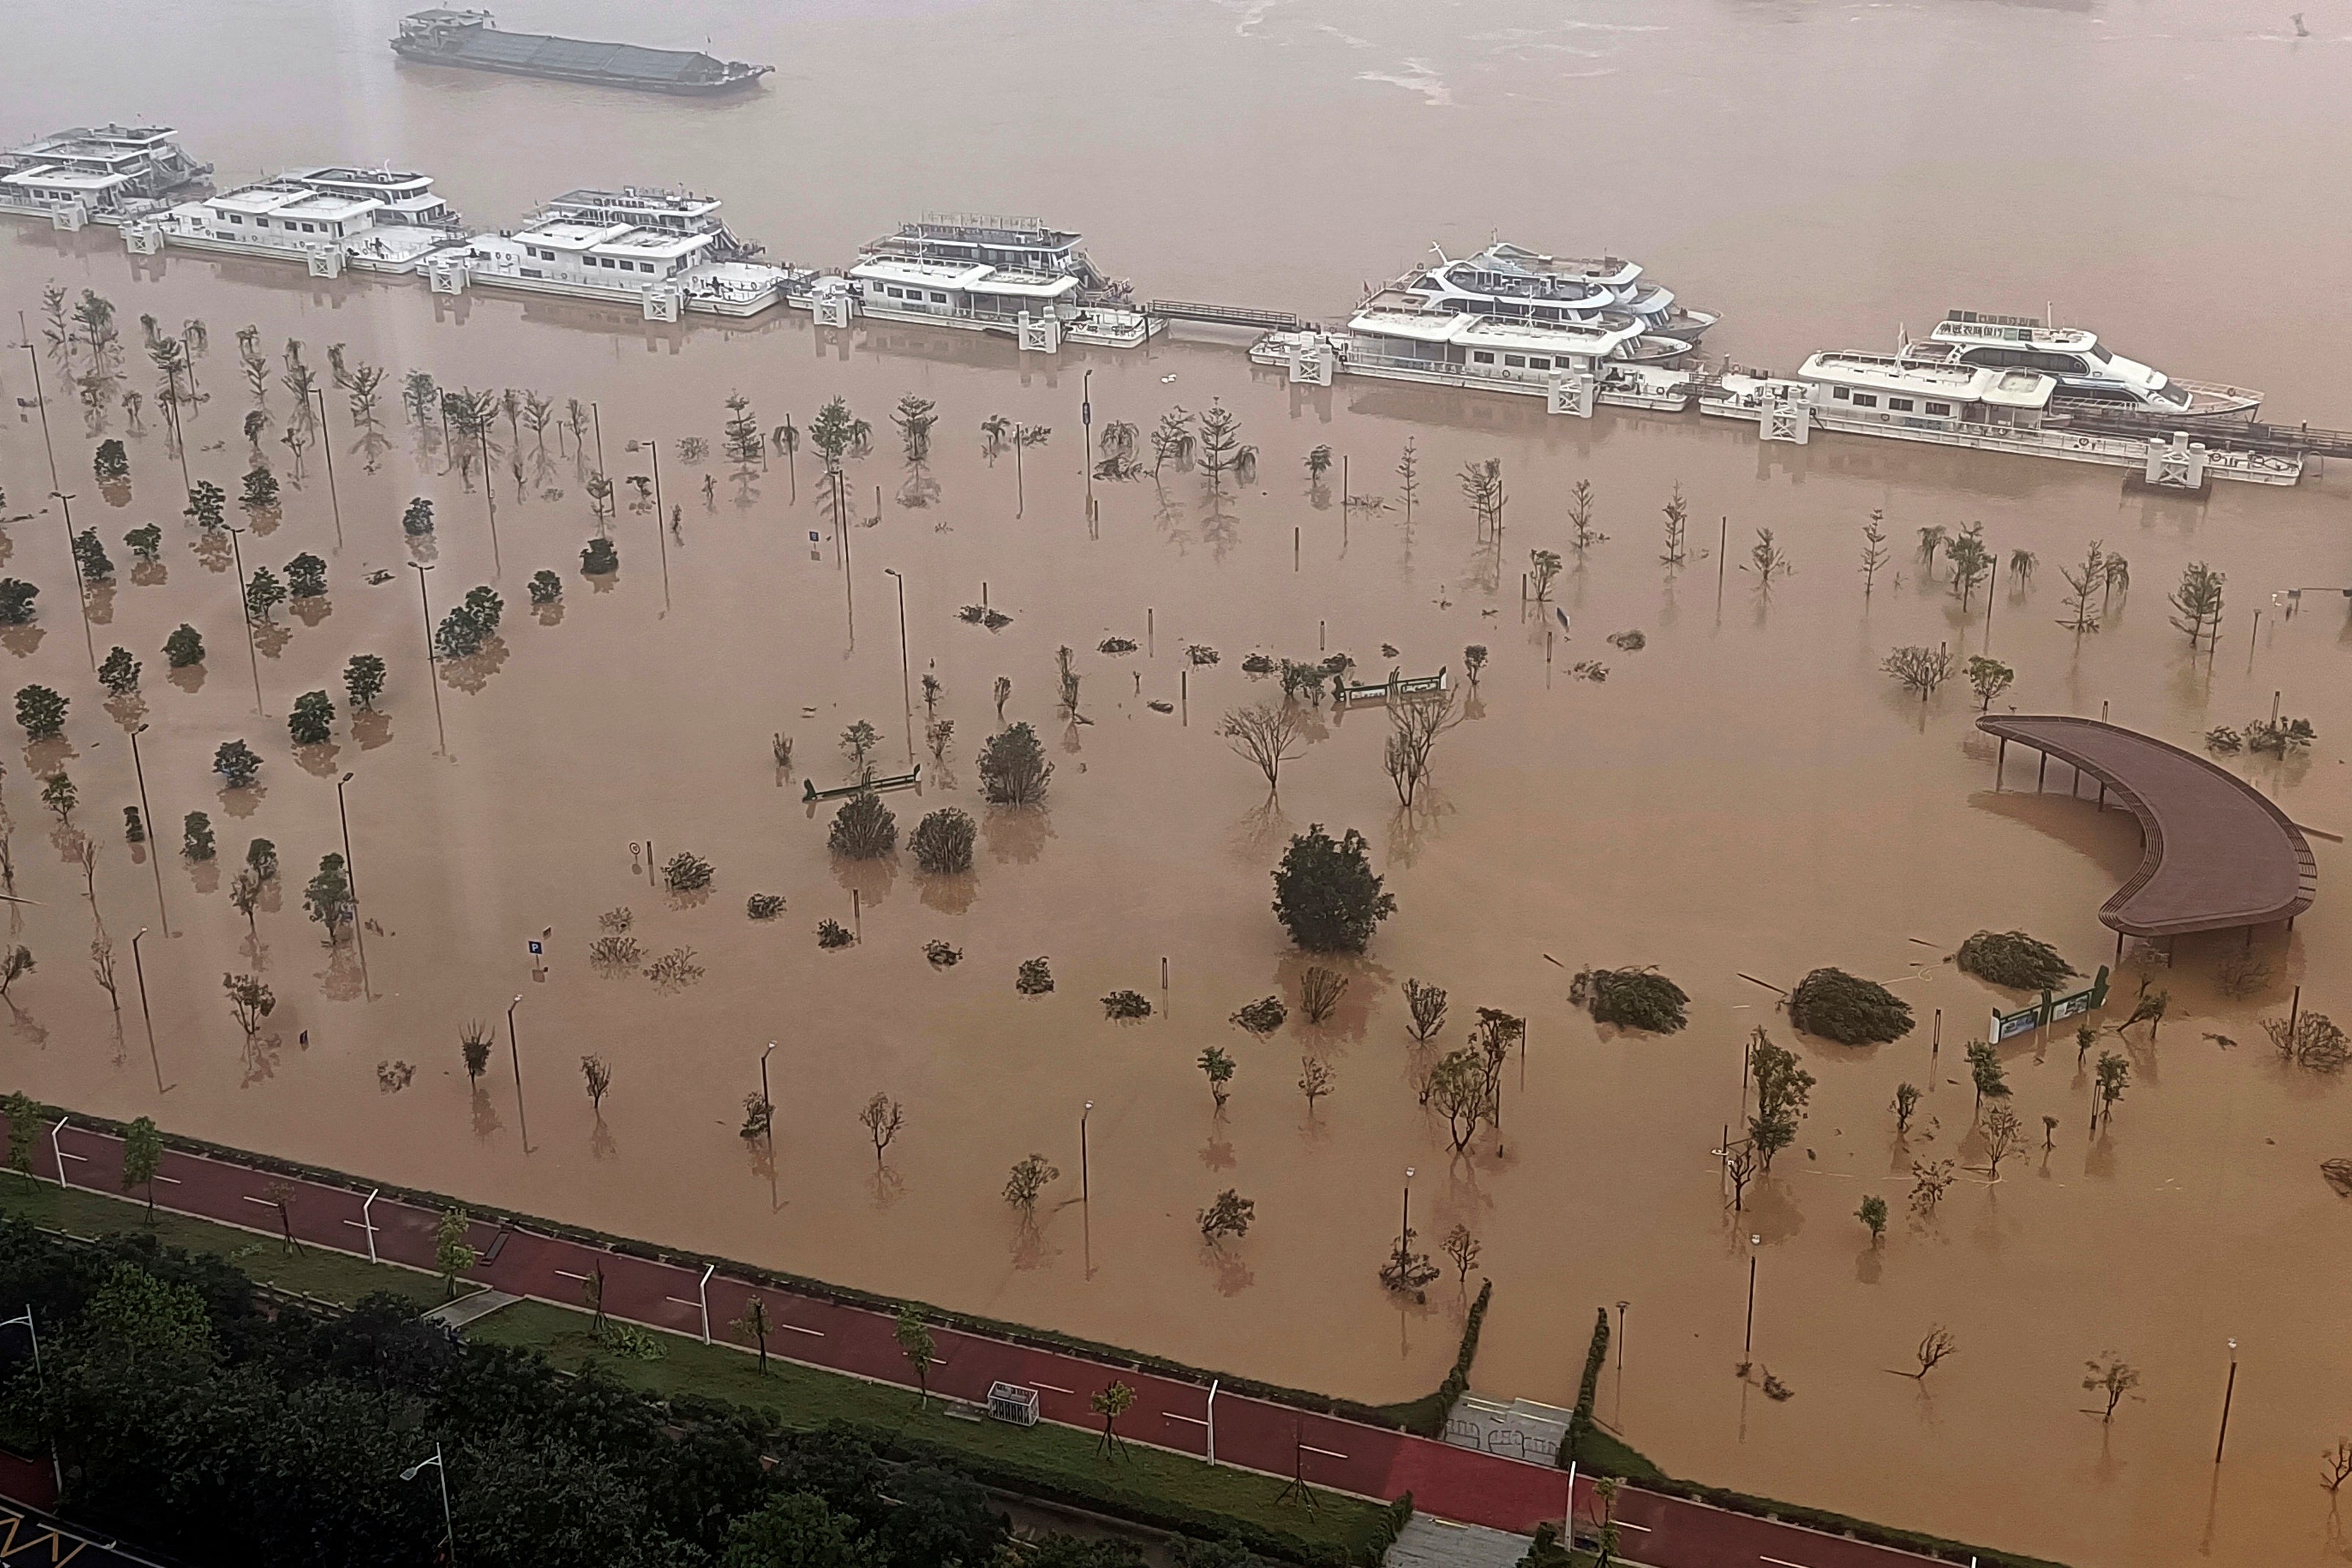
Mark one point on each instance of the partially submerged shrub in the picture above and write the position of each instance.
(2310, 1040)
(236, 762)
(863, 829)
(2014, 959)
(942, 954)
(832, 934)
(981, 615)
(1261, 1017)
(546, 588)
(1116, 645)
(183, 647)
(942, 840)
(685, 873)
(1035, 978)
(1200, 653)
(1126, 1005)
(1629, 642)
(1847, 1008)
(600, 558)
(764, 905)
(1630, 998)
(1012, 767)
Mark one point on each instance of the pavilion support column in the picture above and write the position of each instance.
(2000, 761)
(2119, 949)
(2042, 773)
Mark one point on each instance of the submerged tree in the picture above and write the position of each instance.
(1988, 678)
(1783, 1089)
(1326, 895)
(1874, 551)
(1264, 734)
(2196, 603)
(1920, 668)
(1012, 767)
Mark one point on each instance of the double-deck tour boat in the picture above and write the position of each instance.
(665, 252)
(2088, 375)
(1015, 275)
(329, 217)
(99, 173)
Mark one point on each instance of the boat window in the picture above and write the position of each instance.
(1942, 408)
(2176, 395)
(938, 299)
(1842, 394)
(2101, 355)
(235, 218)
(1482, 358)
(1515, 361)
(1866, 400)
(1899, 404)
(1534, 363)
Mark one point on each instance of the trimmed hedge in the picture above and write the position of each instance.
(1425, 1417)
(1393, 1518)
(1580, 1420)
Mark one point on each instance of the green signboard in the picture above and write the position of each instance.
(2051, 1010)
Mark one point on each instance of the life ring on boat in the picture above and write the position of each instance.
(2081, 443)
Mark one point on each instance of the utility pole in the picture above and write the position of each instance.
(236, 550)
(432, 671)
(327, 441)
(514, 1050)
(154, 845)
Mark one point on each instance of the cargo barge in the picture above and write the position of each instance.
(472, 40)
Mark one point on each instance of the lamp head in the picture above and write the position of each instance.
(1754, 1241)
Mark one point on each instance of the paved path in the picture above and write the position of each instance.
(1447, 1481)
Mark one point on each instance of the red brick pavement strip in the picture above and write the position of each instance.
(1447, 1481)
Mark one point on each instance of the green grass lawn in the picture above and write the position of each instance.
(330, 1276)
(1058, 1462)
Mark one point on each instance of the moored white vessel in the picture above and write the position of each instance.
(329, 217)
(2087, 373)
(2012, 408)
(99, 173)
(1511, 283)
(664, 252)
(1017, 276)
(1570, 364)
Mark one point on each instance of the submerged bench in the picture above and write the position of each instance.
(812, 794)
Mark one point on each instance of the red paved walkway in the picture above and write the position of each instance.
(1447, 1481)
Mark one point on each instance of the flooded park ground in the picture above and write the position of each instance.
(1746, 795)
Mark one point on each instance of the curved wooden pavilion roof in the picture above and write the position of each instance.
(2219, 854)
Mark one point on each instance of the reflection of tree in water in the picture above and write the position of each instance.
(1260, 833)
(371, 729)
(1219, 529)
(212, 549)
(318, 759)
(1031, 1251)
(261, 1059)
(486, 1115)
(311, 610)
(1016, 835)
(146, 573)
(21, 1025)
(1484, 570)
(342, 981)
(1217, 1154)
(244, 802)
(1411, 828)
(471, 674)
(1232, 1275)
(871, 879)
(1171, 517)
(270, 637)
(100, 601)
(888, 1186)
(600, 1141)
(205, 875)
(949, 894)
(919, 489)
(22, 640)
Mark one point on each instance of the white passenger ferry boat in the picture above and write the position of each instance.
(1510, 283)
(664, 252)
(99, 173)
(329, 217)
(2087, 373)
(1016, 277)
(2012, 408)
(1570, 364)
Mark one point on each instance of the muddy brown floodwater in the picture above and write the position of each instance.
(1748, 793)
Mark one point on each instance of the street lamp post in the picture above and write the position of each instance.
(350, 872)
(81, 585)
(661, 522)
(448, 1526)
(139, 969)
(246, 612)
(514, 1050)
(1085, 1183)
(906, 687)
(767, 1105)
(327, 441)
(2227, 1390)
(56, 1468)
(40, 398)
(432, 671)
(1748, 1346)
(154, 845)
(1404, 1221)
